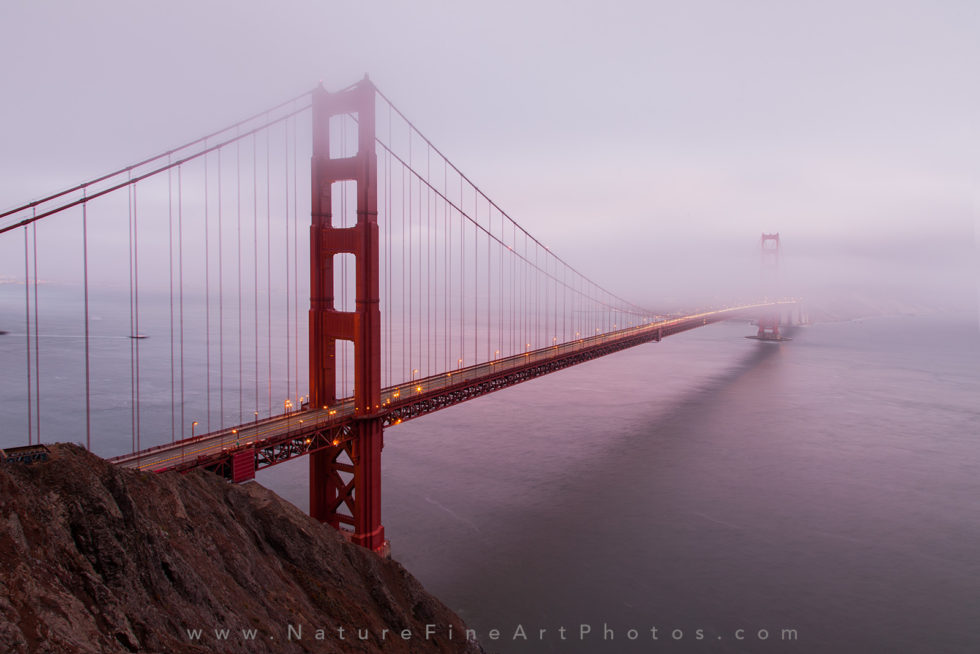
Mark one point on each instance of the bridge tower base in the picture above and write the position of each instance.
(345, 486)
(345, 479)
(769, 328)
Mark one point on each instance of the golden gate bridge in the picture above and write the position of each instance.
(422, 293)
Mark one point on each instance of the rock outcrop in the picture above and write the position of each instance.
(96, 558)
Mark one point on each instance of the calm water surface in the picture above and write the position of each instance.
(828, 485)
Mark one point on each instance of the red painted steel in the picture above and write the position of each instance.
(342, 492)
(243, 466)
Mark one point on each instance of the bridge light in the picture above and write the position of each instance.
(336, 442)
(418, 389)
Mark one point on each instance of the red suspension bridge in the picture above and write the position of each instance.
(423, 293)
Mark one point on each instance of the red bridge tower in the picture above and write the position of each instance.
(345, 480)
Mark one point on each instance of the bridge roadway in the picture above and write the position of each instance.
(276, 439)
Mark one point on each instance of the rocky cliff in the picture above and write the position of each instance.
(95, 558)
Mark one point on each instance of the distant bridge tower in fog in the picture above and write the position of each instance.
(769, 244)
(769, 250)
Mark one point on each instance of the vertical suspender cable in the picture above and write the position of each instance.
(450, 276)
(462, 279)
(421, 297)
(180, 274)
(502, 294)
(268, 257)
(522, 296)
(207, 294)
(132, 321)
(238, 232)
(386, 274)
(549, 315)
(526, 283)
(411, 245)
(37, 342)
(476, 277)
(534, 324)
(549, 328)
(536, 340)
(404, 240)
(514, 291)
(27, 333)
(420, 356)
(173, 396)
(544, 299)
(388, 266)
(585, 311)
(136, 306)
(489, 276)
(255, 268)
(285, 187)
(295, 262)
(221, 307)
(88, 394)
(433, 266)
(529, 290)
(428, 265)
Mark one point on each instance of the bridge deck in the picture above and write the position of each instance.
(297, 433)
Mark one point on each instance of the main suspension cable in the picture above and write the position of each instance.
(168, 154)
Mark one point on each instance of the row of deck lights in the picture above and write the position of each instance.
(288, 403)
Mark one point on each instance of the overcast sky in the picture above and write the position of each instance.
(627, 132)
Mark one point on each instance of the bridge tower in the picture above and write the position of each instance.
(347, 494)
(769, 323)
